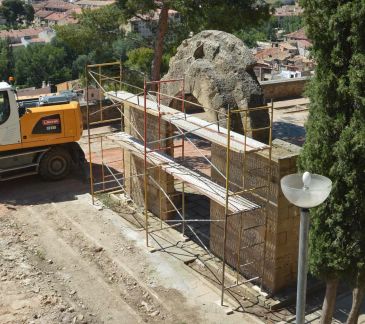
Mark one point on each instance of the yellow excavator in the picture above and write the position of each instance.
(38, 136)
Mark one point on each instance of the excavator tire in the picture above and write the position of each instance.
(55, 164)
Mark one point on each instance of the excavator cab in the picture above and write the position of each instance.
(38, 136)
(4, 107)
(9, 116)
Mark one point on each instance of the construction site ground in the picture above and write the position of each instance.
(63, 260)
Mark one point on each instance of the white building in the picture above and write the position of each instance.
(146, 25)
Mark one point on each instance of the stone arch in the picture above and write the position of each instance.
(218, 72)
(191, 104)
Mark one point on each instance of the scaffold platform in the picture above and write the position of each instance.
(200, 183)
(209, 131)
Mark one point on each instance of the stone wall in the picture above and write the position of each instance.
(281, 242)
(283, 89)
(158, 204)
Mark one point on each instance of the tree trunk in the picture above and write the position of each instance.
(329, 300)
(358, 294)
(161, 32)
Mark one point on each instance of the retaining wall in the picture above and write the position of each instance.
(284, 88)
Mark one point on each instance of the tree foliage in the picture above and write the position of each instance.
(335, 143)
(140, 59)
(39, 62)
(288, 24)
(196, 15)
(99, 36)
(251, 36)
(6, 60)
(130, 42)
(267, 30)
(95, 32)
(16, 12)
(93, 39)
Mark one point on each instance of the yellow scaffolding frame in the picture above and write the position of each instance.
(243, 189)
(98, 78)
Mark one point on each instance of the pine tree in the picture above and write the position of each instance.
(226, 15)
(335, 144)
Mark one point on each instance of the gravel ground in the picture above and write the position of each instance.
(64, 261)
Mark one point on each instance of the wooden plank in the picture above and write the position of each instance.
(193, 179)
(192, 124)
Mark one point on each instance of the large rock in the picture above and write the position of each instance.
(218, 72)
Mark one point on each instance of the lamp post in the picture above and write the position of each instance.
(304, 191)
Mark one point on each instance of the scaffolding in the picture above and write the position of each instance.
(101, 82)
(157, 155)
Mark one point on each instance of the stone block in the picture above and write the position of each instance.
(157, 201)
(278, 248)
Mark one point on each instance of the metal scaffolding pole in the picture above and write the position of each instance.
(185, 124)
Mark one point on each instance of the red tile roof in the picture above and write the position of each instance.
(42, 13)
(271, 54)
(288, 10)
(53, 5)
(20, 32)
(56, 16)
(303, 43)
(299, 34)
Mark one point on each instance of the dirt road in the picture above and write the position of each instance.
(64, 261)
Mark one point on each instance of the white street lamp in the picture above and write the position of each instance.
(304, 191)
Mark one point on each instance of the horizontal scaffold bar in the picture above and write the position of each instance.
(199, 182)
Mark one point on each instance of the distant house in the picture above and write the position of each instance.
(24, 37)
(304, 47)
(74, 85)
(60, 18)
(262, 71)
(15, 36)
(92, 94)
(297, 35)
(55, 12)
(40, 15)
(288, 11)
(291, 48)
(28, 93)
(273, 57)
(93, 4)
(145, 25)
(291, 74)
(289, 59)
(58, 6)
(301, 63)
(301, 40)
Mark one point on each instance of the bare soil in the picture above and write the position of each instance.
(64, 261)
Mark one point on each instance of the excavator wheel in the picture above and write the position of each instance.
(55, 164)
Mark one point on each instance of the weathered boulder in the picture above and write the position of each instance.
(218, 72)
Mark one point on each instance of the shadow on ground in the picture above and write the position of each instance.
(33, 190)
(288, 132)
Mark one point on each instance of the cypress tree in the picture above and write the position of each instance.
(335, 144)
